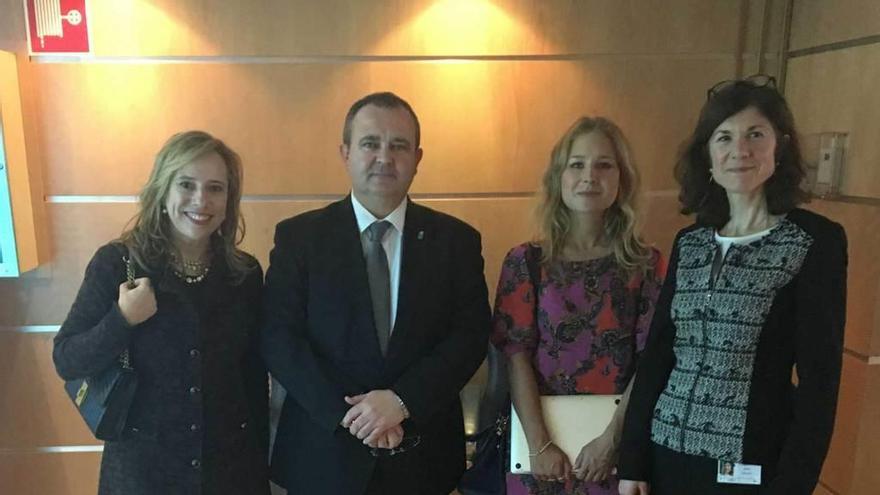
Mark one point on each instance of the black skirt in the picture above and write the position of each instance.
(676, 473)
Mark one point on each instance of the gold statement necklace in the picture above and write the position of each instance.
(191, 272)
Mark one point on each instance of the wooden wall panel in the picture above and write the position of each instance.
(838, 469)
(41, 414)
(303, 28)
(851, 466)
(421, 27)
(835, 91)
(817, 22)
(487, 127)
(12, 33)
(55, 474)
(822, 490)
(662, 220)
(867, 460)
(772, 29)
(44, 296)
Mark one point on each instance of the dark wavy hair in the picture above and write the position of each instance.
(699, 194)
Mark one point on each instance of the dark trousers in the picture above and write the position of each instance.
(400, 475)
(675, 473)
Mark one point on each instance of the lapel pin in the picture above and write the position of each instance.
(421, 235)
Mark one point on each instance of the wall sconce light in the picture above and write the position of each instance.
(825, 158)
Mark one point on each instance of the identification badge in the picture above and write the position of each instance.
(740, 474)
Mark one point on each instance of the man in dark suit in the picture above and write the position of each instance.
(376, 317)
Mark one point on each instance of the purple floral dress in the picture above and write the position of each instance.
(593, 320)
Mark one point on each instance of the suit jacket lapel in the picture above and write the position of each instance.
(416, 236)
(344, 250)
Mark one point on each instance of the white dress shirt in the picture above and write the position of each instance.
(391, 243)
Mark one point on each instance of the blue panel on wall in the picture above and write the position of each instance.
(8, 255)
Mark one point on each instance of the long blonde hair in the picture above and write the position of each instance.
(149, 241)
(621, 218)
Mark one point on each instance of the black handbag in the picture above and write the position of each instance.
(491, 459)
(103, 400)
(491, 451)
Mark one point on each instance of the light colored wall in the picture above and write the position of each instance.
(830, 84)
(836, 91)
(274, 80)
(820, 22)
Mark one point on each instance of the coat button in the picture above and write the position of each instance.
(194, 390)
(193, 427)
(194, 353)
(195, 463)
(244, 425)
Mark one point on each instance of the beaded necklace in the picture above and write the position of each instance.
(191, 272)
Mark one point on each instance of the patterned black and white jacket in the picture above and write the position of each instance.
(715, 379)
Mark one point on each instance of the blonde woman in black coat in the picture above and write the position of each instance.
(198, 423)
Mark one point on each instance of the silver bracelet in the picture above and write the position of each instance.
(542, 449)
(402, 407)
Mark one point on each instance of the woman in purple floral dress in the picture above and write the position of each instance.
(597, 286)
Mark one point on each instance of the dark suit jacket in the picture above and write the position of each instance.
(320, 342)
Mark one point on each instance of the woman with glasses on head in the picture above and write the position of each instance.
(189, 321)
(755, 288)
(581, 329)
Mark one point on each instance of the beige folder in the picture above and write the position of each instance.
(572, 421)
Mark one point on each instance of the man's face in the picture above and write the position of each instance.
(382, 157)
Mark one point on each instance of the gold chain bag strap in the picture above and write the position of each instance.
(124, 358)
(104, 399)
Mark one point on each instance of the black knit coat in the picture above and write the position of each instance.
(199, 421)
